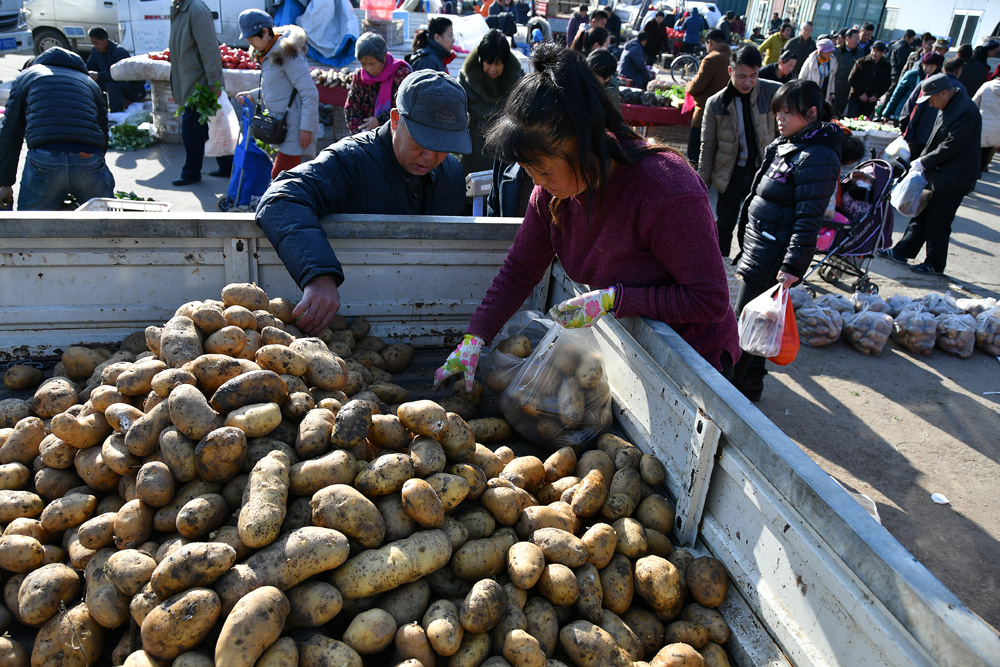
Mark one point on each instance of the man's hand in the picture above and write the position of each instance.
(787, 279)
(305, 138)
(320, 302)
(371, 123)
(6, 197)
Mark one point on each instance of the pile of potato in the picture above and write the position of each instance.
(818, 326)
(915, 329)
(870, 301)
(242, 495)
(956, 334)
(867, 331)
(988, 331)
(332, 78)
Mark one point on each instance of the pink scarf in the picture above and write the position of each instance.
(383, 102)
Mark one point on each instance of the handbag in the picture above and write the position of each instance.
(269, 129)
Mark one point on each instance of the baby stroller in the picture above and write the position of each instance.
(864, 225)
(251, 170)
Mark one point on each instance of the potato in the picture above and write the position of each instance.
(428, 456)
(23, 444)
(180, 623)
(52, 397)
(177, 451)
(43, 591)
(714, 655)
(133, 524)
(351, 424)
(87, 429)
(190, 412)
(589, 646)
(558, 584)
(397, 357)
(344, 508)
(710, 619)
(13, 410)
(590, 494)
(688, 632)
(249, 388)
(198, 564)
(211, 371)
(312, 604)
(154, 484)
(422, 504)
(264, 501)
(379, 570)
(387, 432)
(491, 429)
(623, 635)
(601, 541)
(443, 628)
(560, 546)
(411, 644)
(247, 295)
(656, 512)
(67, 512)
(450, 489)
(144, 435)
(326, 370)
(78, 555)
(200, 516)
(12, 653)
(506, 504)
(677, 655)
(474, 477)
(320, 651)
(370, 631)
(483, 607)
(314, 433)
(219, 455)
(106, 603)
(631, 538)
(291, 559)
(251, 627)
(624, 493)
(129, 570)
(617, 584)
(408, 602)
(180, 342)
(23, 377)
(54, 453)
(165, 519)
(77, 629)
(517, 345)
(90, 466)
(30, 527)
(596, 459)
(282, 653)
(657, 582)
(707, 581)
(591, 595)
(384, 475)
(308, 477)
(651, 470)
(484, 557)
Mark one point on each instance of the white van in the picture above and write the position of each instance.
(144, 25)
(65, 22)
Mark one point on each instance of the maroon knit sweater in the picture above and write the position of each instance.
(654, 234)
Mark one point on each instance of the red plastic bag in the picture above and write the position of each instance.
(789, 339)
(689, 104)
(379, 9)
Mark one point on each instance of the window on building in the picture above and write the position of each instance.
(963, 27)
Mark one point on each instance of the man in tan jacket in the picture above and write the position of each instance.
(737, 127)
(713, 74)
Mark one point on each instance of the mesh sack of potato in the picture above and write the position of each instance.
(915, 329)
(818, 326)
(502, 361)
(868, 330)
(898, 303)
(941, 304)
(560, 397)
(988, 331)
(837, 302)
(799, 297)
(976, 307)
(956, 334)
(873, 301)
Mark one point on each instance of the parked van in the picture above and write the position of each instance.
(144, 25)
(65, 22)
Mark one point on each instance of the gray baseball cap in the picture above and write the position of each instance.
(933, 85)
(433, 106)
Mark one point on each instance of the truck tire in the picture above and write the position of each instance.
(46, 38)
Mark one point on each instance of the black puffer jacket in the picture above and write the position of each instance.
(790, 194)
(359, 174)
(53, 104)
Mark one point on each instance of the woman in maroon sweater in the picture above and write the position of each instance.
(630, 220)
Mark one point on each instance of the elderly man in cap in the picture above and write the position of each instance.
(194, 59)
(950, 160)
(870, 78)
(405, 167)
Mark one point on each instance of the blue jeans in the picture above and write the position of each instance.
(48, 177)
(194, 135)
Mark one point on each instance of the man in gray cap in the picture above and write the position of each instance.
(402, 168)
(949, 160)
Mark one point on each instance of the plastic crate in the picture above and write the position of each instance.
(124, 205)
(878, 141)
(391, 31)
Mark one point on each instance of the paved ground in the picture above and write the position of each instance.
(895, 427)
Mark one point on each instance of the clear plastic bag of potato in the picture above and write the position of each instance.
(915, 329)
(976, 307)
(762, 322)
(799, 297)
(898, 303)
(873, 301)
(956, 334)
(941, 304)
(867, 331)
(837, 302)
(560, 397)
(988, 331)
(503, 360)
(818, 326)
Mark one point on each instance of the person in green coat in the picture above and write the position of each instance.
(773, 46)
(488, 74)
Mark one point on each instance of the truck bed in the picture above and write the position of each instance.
(814, 579)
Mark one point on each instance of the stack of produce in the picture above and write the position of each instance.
(915, 329)
(241, 495)
(231, 58)
(646, 98)
(332, 78)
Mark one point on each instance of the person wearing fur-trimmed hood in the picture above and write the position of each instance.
(487, 75)
(286, 88)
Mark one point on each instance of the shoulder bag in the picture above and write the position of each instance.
(269, 129)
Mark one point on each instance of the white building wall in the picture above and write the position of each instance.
(936, 16)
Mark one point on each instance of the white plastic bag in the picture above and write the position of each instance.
(897, 150)
(911, 195)
(223, 129)
(763, 321)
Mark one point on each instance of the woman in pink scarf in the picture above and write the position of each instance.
(374, 85)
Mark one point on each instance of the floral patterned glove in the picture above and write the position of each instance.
(584, 310)
(462, 360)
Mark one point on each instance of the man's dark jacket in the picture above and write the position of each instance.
(356, 175)
(55, 105)
(102, 62)
(868, 76)
(950, 157)
(801, 48)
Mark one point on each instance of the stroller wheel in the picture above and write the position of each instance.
(830, 274)
(865, 285)
(223, 204)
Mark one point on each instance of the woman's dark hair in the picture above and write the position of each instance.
(747, 55)
(602, 62)
(494, 47)
(423, 36)
(560, 102)
(786, 56)
(965, 51)
(420, 39)
(799, 97)
(586, 40)
(981, 53)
